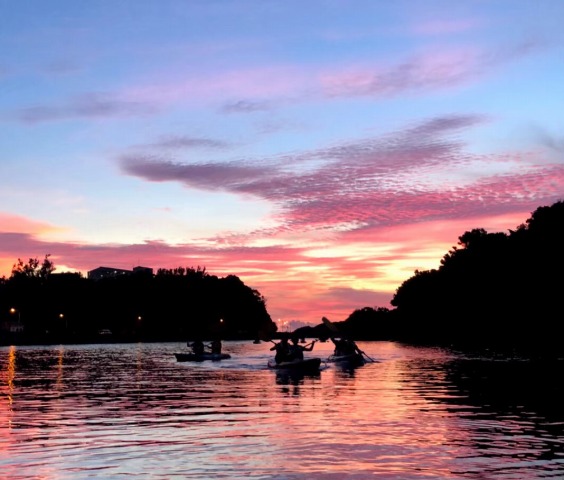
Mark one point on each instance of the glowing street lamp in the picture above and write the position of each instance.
(13, 311)
(61, 316)
(19, 327)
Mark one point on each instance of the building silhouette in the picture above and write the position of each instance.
(111, 272)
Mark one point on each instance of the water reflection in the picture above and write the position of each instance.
(107, 411)
(10, 375)
(290, 381)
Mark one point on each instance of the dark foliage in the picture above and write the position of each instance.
(496, 289)
(178, 304)
(492, 290)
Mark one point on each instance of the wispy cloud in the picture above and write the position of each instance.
(245, 106)
(355, 168)
(228, 176)
(87, 106)
(187, 142)
(411, 175)
(434, 70)
(10, 223)
(261, 89)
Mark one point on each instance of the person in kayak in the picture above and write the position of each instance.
(297, 350)
(282, 350)
(215, 346)
(340, 346)
(345, 346)
(197, 347)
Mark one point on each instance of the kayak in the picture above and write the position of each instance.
(305, 365)
(193, 357)
(352, 359)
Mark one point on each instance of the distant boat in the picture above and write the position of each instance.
(104, 332)
(256, 340)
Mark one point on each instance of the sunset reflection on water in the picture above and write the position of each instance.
(110, 411)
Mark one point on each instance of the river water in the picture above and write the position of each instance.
(131, 411)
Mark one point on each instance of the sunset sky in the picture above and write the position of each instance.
(322, 151)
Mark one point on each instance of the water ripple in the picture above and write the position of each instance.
(132, 411)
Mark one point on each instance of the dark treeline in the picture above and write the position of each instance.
(491, 290)
(176, 304)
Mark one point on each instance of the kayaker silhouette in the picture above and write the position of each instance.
(215, 346)
(297, 350)
(282, 350)
(345, 346)
(197, 347)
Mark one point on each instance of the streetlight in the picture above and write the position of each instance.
(61, 316)
(13, 310)
(19, 327)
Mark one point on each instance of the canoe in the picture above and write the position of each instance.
(352, 359)
(305, 365)
(192, 357)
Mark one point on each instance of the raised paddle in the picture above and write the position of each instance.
(330, 325)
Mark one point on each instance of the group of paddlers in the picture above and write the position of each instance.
(288, 352)
(199, 348)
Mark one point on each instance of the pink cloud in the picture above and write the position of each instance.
(260, 88)
(406, 176)
(189, 142)
(15, 223)
(229, 176)
(432, 70)
(288, 176)
(240, 90)
(296, 284)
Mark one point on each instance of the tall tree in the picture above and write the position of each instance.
(33, 269)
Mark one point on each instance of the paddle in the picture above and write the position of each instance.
(264, 337)
(331, 326)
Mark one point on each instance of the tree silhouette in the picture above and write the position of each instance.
(174, 304)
